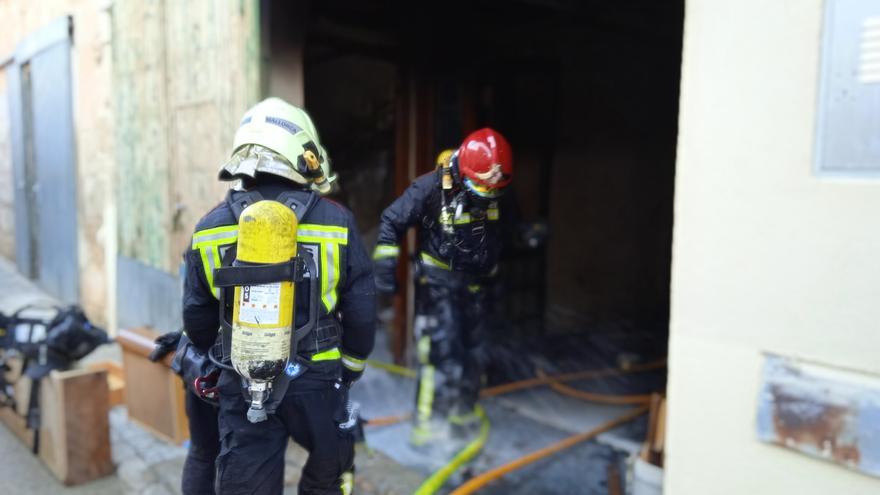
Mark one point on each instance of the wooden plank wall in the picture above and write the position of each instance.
(184, 73)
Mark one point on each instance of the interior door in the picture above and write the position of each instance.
(44, 157)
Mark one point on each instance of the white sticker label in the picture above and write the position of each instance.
(260, 304)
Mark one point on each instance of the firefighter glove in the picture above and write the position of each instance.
(385, 272)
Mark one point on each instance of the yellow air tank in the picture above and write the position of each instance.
(262, 315)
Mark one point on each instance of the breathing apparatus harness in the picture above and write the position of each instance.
(299, 269)
(44, 345)
(456, 201)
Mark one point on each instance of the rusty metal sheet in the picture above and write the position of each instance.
(821, 411)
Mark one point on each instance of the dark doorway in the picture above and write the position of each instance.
(587, 93)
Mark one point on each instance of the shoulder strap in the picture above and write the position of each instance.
(239, 200)
(289, 199)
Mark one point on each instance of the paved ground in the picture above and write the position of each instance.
(387, 464)
(145, 464)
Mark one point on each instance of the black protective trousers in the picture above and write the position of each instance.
(204, 445)
(451, 327)
(251, 459)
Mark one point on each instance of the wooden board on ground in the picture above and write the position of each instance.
(74, 437)
(154, 394)
(652, 450)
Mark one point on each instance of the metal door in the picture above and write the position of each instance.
(44, 161)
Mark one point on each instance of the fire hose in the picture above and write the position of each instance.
(556, 383)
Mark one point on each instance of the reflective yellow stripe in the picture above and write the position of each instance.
(208, 243)
(426, 397)
(432, 261)
(425, 400)
(385, 251)
(353, 363)
(492, 214)
(329, 237)
(346, 482)
(423, 349)
(327, 355)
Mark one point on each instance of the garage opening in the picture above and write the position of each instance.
(587, 94)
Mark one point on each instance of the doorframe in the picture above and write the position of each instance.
(58, 31)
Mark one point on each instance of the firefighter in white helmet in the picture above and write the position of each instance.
(277, 156)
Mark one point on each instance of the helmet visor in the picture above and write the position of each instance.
(482, 191)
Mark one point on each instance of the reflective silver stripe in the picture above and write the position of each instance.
(330, 269)
(492, 213)
(210, 254)
(201, 239)
(353, 363)
(215, 234)
(338, 234)
(341, 237)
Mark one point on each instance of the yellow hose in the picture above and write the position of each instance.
(436, 480)
(484, 479)
(392, 368)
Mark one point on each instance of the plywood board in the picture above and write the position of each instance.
(154, 394)
(74, 438)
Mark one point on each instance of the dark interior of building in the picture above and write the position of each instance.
(587, 94)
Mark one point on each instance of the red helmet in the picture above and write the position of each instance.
(485, 162)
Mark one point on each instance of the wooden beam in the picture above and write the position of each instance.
(401, 182)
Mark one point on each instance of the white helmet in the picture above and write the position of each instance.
(278, 138)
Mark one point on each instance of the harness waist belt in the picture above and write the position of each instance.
(326, 336)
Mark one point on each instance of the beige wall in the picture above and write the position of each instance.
(93, 120)
(766, 256)
(7, 213)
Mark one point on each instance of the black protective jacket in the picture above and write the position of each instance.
(474, 246)
(330, 233)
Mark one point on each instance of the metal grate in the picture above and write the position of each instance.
(869, 51)
(848, 120)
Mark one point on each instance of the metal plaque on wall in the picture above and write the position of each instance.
(821, 411)
(848, 126)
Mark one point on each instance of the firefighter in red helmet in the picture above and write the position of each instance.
(458, 215)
